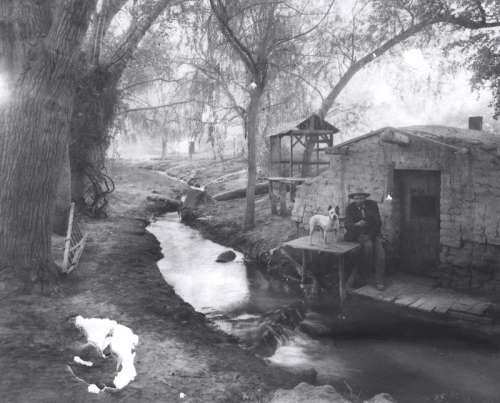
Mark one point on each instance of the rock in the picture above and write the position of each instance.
(307, 375)
(194, 181)
(227, 256)
(381, 398)
(304, 392)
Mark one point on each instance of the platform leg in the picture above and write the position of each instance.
(341, 281)
(304, 265)
(282, 193)
(273, 199)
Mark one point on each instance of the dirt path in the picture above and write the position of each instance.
(178, 351)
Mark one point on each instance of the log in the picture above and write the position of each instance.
(260, 188)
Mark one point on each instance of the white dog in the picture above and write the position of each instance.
(121, 340)
(329, 223)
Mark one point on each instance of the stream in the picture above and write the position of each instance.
(413, 361)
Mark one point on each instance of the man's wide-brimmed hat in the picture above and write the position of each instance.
(358, 193)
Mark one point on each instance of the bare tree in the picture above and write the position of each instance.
(97, 96)
(260, 35)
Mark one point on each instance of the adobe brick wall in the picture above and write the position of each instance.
(470, 201)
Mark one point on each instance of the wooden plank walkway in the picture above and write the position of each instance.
(424, 295)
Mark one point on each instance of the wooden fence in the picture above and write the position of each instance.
(74, 243)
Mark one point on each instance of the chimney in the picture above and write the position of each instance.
(476, 123)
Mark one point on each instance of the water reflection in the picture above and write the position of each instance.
(189, 267)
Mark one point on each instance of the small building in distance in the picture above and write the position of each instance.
(290, 140)
(438, 190)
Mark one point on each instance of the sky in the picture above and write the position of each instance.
(395, 101)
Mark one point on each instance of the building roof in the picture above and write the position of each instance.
(312, 124)
(456, 136)
(451, 136)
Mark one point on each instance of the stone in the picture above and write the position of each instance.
(227, 256)
(305, 375)
(381, 398)
(305, 392)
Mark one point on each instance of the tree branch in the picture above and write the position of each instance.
(143, 82)
(135, 34)
(223, 19)
(358, 65)
(446, 18)
(308, 31)
(149, 108)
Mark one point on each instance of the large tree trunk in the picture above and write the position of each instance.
(34, 123)
(251, 132)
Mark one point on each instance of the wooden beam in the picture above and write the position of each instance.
(298, 140)
(305, 163)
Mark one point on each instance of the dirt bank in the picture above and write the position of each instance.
(117, 278)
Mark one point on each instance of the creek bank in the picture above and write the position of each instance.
(117, 278)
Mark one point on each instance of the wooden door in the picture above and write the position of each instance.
(419, 196)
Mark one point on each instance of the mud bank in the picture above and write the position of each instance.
(178, 350)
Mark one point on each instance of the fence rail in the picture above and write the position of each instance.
(74, 243)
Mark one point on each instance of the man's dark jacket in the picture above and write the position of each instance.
(372, 217)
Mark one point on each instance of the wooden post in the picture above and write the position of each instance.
(317, 158)
(273, 199)
(304, 265)
(282, 190)
(291, 156)
(275, 157)
(293, 190)
(280, 157)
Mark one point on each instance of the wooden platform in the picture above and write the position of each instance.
(285, 179)
(422, 294)
(336, 248)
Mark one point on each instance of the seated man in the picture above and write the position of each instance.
(362, 223)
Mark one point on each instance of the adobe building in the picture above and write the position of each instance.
(438, 190)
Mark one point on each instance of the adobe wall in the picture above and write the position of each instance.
(470, 201)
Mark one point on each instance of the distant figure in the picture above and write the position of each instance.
(191, 149)
(363, 223)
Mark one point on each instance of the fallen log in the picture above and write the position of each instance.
(260, 189)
